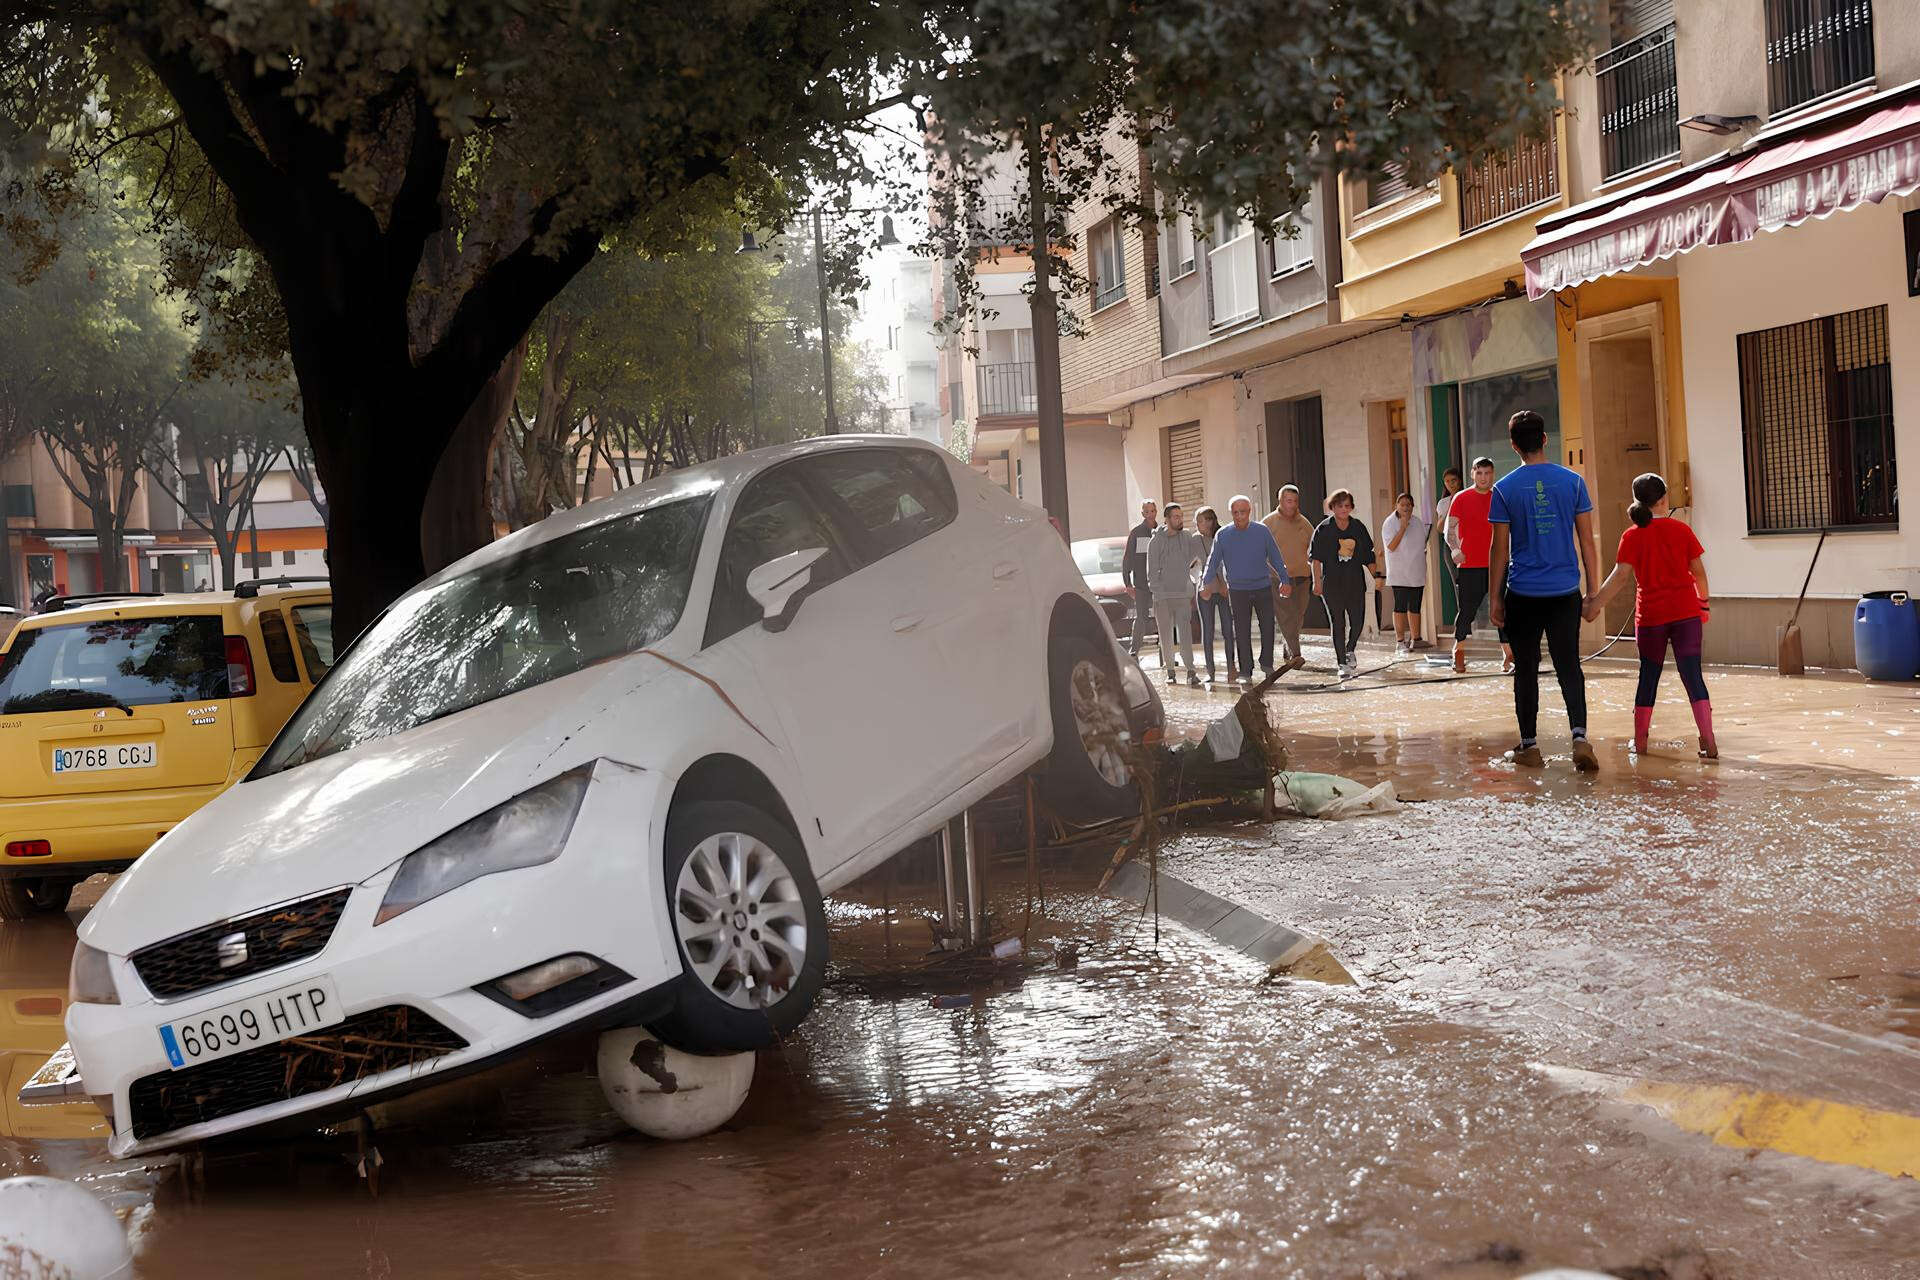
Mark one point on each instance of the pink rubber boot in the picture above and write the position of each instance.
(1642, 725)
(1703, 717)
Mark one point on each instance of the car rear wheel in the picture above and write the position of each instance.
(24, 897)
(750, 926)
(1088, 777)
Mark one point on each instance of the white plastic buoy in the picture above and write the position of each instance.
(59, 1229)
(665, 1093)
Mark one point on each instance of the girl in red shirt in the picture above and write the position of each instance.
(1669, 608)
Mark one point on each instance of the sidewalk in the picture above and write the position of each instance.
(1750, 921)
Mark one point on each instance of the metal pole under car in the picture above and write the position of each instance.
(976, 910)
(826, 323)
(1050, 413)
(951, 890)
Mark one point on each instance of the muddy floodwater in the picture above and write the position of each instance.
(1133, 1101)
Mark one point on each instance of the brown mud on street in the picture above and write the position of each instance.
(1146, 1109)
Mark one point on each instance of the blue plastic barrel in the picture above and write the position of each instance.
(1886, 636)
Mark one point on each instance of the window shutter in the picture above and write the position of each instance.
(1186, 476)
(1635, 18)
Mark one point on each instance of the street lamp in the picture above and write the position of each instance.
(748, 244)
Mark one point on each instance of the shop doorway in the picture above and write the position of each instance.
(1623, 401)
(1297, 455)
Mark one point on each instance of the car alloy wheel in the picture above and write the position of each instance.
(1100, 716)
(742, 921)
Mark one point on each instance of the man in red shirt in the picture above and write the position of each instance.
(1469, 528)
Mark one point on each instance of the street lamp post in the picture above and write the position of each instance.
(748, 244)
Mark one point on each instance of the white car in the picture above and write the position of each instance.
(599, 774)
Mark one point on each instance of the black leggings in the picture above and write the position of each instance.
(1347, 610)
(1473, 594)
(1685, 636)
(1558, 619)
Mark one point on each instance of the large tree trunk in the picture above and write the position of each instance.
(112, 555)
(458, 516)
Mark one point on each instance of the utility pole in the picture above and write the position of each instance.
(826, 322)
(1051, 412)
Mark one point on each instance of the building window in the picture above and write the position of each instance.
(1109, 264)
(1230, 271)
(1291, 254)
(1639, 89)
(17, 500)
(1180, 259)
(1816, 420)
(1387, 184)
(198, 494)
(1518, 178)
(288, 558)
(1816, 48)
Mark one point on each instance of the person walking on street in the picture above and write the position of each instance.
(1450, 484)
(1471, 533)
(1542, 538)
(1663, 557)
(1213, 598)
(1173, 555)
(1293, 533)
(1246, 551)
(1343, 556)
(1133, 573)
(1405, 536)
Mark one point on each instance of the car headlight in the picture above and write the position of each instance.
(526, 831)
(90, 979)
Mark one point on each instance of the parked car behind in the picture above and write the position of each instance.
(597, 774)
(1098, 560)
(120, 715)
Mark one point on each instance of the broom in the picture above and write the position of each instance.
(1792, 663)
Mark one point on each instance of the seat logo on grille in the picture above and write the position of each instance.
(232, 950)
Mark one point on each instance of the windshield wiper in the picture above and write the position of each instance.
(62, 700)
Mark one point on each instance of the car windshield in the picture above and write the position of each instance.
(1097, 555)
(114, 662)
(548, 612)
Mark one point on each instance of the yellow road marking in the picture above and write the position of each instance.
(1753, 1119)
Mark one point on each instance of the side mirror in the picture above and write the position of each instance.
(779, 585)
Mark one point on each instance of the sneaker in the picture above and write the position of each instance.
(1193, 681)
(1527, 757)
(1172, 678)
(1423, 643)
(1583, 757)
(1347, 670)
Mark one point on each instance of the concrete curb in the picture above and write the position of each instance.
(1252, 934)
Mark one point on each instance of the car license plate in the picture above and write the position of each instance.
(248, 1024)
(119, 755)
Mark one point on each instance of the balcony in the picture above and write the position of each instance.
(1816, 48)
(998, 222)
(1639, 103)
(1007, 389)
(1515, 180)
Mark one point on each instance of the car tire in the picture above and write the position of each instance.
(1087, 777)
(729, 997)
(28, 897)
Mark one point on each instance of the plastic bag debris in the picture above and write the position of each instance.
(1327, 795)
(1225, 738)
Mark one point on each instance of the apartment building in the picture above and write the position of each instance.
(895, 321)
(1735, 295)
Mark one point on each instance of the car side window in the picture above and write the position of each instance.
(895, 497)
(273, 634)
(774, 517)
(313, 628)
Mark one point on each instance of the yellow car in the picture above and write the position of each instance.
(122, 714)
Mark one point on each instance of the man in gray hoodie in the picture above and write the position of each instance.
(1173, 553)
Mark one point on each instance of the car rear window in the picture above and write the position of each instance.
(313, 628)
(129, 662)
(273, 634)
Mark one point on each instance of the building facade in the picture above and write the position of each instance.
(895, 322)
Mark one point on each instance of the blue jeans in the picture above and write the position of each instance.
(1210, 606)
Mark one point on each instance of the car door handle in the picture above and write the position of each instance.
(908, 621)
(1004, 570)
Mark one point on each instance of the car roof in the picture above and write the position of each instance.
(709, 477)
(168, 602)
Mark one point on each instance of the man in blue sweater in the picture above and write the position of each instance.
(1247, 551)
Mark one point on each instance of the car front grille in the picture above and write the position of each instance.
(366, 1044)
(279, 936)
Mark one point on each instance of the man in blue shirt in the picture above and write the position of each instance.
(1247, 551)
(1542, 534)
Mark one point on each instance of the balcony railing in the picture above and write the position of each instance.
(1816, 47)
(1639, 102)
(1516, 179)
(1007, 388)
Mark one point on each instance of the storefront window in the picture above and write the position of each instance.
(1487, 403)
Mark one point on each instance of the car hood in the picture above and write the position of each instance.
(344, 817)
(1105, 584)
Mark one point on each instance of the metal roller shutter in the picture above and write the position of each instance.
(1186, 474)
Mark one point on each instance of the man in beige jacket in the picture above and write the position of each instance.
(1293, 532)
